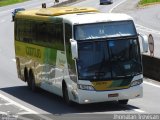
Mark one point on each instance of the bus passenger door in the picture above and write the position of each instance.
(59, 70)
(53, 71)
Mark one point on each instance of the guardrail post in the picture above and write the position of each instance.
(151, 45)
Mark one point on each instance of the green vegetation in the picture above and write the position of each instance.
(145, 2)
(9, 2)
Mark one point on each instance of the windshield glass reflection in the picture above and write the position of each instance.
(109, 59)
(93, 60)
(105, 30)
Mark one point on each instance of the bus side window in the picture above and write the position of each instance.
(20, 30)
(23, 31)
(68, 32)
(28, 32)
(16, 30)
(58, 36)
(41, 33)
(68, 36)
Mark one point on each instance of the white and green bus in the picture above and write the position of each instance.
(80, 54)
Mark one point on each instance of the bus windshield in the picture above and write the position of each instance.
(108, 59)
(103, 30)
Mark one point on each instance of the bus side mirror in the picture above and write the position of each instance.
(144, 43)
(74, 49)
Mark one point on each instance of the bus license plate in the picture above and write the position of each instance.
(113, 95)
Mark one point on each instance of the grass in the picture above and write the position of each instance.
(9, 2)
(146, 2)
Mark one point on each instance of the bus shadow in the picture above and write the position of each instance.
(54, 104)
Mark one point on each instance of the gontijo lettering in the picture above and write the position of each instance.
(34, 52)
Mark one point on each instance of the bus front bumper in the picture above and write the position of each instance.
(85, 97)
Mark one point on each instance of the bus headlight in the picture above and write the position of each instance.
(136, 82)
(85, 87)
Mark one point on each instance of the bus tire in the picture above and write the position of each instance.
(32, 81)
(123, 102)
(65, 95)
(26, 78)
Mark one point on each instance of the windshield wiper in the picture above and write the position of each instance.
(125, 76)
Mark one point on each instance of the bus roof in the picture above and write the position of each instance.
(84, 18)
(56, 11)
(74, 15)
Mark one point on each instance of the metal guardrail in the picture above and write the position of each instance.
(151, 67)
(151, 64)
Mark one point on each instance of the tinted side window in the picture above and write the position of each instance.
(45, 34)
(24, 31)
(68, 32)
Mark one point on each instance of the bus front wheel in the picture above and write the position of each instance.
(26, 78)
(32, 81)
(123, 102)
(65, 95)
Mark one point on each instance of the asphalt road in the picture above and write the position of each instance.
(16, 98)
